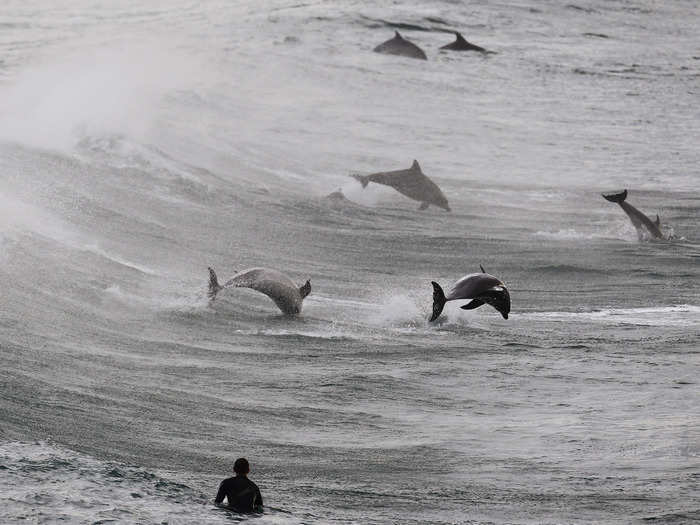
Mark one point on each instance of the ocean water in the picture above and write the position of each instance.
(142, 142)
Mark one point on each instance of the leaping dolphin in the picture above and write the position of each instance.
(482, 288)
(277, 286)
(412, 183)
(461, 44)
(639, 220)
(400, 46)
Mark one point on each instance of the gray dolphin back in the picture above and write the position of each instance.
(472, 286)
(402, 47)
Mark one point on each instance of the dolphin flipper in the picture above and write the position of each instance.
(476, 303)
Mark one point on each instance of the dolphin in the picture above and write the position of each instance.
(277, 286)
(412, 183)
(400, 46)
(461, 44)
(639, 220)
(481, 288)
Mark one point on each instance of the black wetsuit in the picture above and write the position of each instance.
(242, 494)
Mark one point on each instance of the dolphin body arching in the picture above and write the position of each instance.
(639, 220)
(402, 47)
(482, 288)
(277, 286)
(412, 183)
(461, 44)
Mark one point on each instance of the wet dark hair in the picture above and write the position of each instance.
(241, 466)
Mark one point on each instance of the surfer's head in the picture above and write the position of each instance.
(241, 467)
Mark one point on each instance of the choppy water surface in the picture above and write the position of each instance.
(141, 144)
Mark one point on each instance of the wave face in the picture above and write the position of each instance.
(140, 144)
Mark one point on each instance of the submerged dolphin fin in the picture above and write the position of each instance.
(438, 301)
(363, 179)
(616, 197)
(475, 303)
(214, 285)
(423, 206)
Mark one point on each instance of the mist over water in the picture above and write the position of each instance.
(140, 144)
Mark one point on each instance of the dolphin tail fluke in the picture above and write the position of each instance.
(616, 197)
(438, 301)
(306, 289)
(363, 179)
(214, 285)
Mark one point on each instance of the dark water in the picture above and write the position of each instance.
(139, 145)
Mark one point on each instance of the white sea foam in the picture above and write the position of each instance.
(158, 296)
(94, 91)
(677, 315)
(567, 235)
(95, 248)
(398, 310)
(41, 482)
(18, 216)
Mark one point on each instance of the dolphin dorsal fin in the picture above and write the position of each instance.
(460, 38)
(398, 35)
(415, 165)
(482, 269)
(658, 221)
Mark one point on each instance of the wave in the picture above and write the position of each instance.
(565, 269)
(76, 487)
(427, 24)
(42, 477)
(94, 248)
(678, 315)
(87, 89)
(568, 235)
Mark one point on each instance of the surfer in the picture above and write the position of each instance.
(242, 495)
